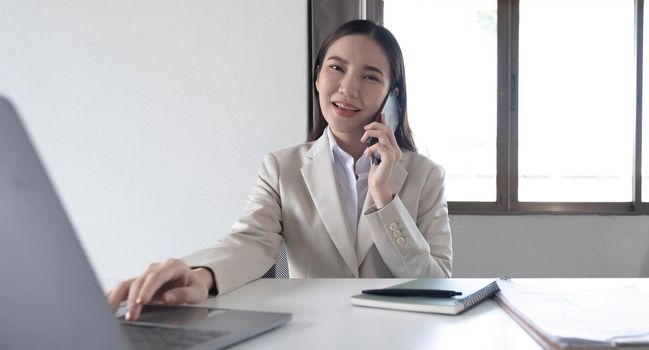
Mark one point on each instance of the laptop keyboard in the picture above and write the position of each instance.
(152, 337)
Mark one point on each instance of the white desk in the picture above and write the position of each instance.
(323, 318)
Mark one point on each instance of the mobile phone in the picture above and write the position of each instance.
(391, 110)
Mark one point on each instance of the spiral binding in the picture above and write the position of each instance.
(482, 294)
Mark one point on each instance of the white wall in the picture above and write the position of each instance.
(551, 246)
(152, 117)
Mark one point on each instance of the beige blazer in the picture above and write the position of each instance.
(296, 197)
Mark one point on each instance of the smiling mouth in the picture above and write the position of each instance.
(345, 108)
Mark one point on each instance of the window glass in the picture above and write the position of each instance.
(645, 114)
(576, 100)
(449, 49)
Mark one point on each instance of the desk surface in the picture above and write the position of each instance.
(324, 318)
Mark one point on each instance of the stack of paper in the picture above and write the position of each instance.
(570, 317)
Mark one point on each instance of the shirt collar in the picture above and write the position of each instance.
(334, 148)
(333, 145)
(362, 166)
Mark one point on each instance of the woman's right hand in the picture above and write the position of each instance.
(172, 282)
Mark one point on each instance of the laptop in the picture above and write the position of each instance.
(50, 298)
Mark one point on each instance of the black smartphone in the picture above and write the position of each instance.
(391, 110)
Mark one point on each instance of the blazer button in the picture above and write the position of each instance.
(396, 233)
(401, 241)
(393, 226)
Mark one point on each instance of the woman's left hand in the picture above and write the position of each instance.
(378, 181)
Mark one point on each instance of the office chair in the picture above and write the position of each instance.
(280, 269)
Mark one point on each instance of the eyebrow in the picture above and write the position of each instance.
(370, 68)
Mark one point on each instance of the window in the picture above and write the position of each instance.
(452, 87)
(576, 101)
(532, 106)
(644, 106)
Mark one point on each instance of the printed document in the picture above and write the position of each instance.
(614, 315)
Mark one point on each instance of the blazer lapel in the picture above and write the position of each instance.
(364, 239)
(320, 180)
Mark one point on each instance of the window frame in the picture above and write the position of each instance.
(326, 15)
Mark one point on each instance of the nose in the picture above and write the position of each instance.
(349, 87)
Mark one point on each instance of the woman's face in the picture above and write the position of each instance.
(353, 81)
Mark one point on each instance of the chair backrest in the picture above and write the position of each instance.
(280, 269)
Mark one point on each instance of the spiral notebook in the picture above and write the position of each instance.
(474, 291)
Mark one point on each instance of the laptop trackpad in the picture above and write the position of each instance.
(175, 315)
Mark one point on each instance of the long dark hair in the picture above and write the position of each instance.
(386, 40)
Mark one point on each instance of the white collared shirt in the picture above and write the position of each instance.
(352, 190)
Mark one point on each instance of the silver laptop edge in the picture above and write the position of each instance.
(50, 296)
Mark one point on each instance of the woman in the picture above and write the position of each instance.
(340, 214)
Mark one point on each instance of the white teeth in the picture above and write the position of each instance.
(346, 108)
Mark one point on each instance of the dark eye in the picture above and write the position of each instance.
(336, 67)
(371, 77)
